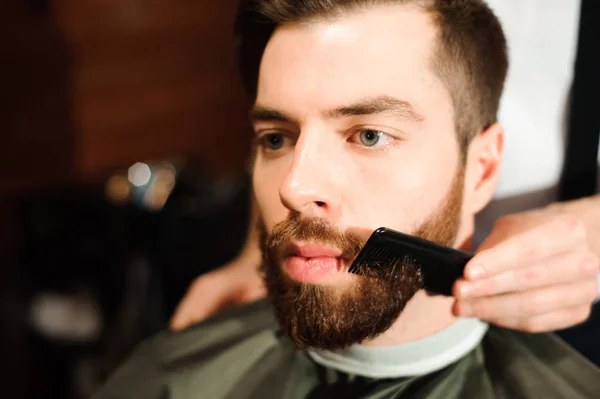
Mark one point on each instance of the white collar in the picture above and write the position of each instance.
(418, 357)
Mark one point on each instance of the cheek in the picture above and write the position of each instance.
(403, 195)
(267, 179)
(392, 199)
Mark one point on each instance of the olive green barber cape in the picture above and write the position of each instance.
(240, 355)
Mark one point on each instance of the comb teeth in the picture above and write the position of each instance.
(375, 254)
(440, 266)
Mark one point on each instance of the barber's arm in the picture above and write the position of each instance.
(537, 270)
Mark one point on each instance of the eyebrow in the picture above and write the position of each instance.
(378, 105)
(265, 114)
(371, 106)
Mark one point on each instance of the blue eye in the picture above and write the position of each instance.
(370, 138)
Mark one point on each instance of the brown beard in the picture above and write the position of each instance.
(323, 317)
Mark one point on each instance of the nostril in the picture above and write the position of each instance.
(320, 203)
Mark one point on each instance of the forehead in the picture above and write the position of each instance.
(384, 50)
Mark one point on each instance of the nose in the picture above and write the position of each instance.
(310, 186)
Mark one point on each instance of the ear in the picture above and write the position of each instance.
(484, 157)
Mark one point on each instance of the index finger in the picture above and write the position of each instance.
(514, 252)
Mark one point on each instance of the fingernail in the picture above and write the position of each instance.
(465, 309)
(475, 273)
(465, 290)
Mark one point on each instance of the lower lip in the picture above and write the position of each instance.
(315, 270)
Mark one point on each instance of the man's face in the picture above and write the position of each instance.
(355, 132)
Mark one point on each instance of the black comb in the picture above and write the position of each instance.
(440, 265)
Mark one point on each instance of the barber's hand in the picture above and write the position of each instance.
(235, 283)
(535, 272)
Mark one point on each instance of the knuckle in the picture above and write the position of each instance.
(573, 225)
(530, 277)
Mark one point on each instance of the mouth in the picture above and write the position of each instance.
(313, 263)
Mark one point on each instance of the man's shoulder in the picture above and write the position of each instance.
(525, 365)
(193, 359)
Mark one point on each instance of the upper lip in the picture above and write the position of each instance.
(311, 250)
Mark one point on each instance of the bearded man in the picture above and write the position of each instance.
(366, 114)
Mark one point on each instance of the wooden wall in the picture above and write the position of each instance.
(89, 86)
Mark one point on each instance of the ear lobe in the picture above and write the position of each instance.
(483, 167)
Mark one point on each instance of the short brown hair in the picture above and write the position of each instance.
(470, 56)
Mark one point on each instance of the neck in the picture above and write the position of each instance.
(425, 314)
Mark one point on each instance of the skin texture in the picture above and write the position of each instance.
(342, 309)
(320, 168)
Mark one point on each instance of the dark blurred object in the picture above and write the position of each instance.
(100, 276)
(586, 336)
(202, 226)
(77, 257)
(198, 222)
(579, 175)
(41, 6)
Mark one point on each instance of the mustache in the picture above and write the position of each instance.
(313, 230)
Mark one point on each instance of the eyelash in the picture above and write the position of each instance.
(260, 141)
(390, 137)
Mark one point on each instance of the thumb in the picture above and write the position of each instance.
(252, 293)
(206, 296)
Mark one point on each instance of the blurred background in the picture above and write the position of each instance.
(123, 148)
